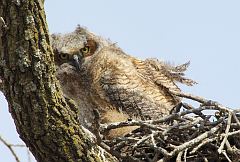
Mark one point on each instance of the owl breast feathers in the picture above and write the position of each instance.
(98, 75)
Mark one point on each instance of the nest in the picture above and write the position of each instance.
(208, 132)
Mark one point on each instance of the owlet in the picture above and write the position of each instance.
(97, 74)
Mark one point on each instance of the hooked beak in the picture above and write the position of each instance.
(76, 62)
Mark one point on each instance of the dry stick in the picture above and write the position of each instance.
(225, 154)
(162, 151)
(10, 148)
(17, 145)
(179, 156)
(190, 96)
(202, 100)
(190, 124)
(195, 141)
(158, 149)
(153, 140)
(105, 146)
(185, 155)
(98, 136)
(231, 133)
(229, 148)
(226, 132)
(236, 119)
(106, 127)
(161, 160)
(148, 123)
(155, 157)
(234, 125)
(181, 126)
(205, 159)
(120, 145)
(204, 142)
(142, 140)
(190, 107)
(176, 115)
(99, 139)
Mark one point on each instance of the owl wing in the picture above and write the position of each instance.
(136, 92)
(163, 74)
(157, 73)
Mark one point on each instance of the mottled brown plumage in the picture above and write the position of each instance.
(96, 74)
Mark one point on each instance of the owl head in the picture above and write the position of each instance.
(73, 48)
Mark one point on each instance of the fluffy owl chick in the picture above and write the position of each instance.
(98, 75)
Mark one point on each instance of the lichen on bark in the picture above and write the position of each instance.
(43, 118)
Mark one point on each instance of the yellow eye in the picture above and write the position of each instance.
(85, 50)
(63, 56)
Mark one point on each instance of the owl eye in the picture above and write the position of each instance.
(63, 56)
(85, 49)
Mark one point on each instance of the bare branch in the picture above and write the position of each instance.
(226, 133)
(9, 146)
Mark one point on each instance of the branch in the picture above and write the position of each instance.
(9, 146)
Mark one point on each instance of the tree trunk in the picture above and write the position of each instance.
(44, 120)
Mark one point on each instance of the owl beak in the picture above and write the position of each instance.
(76, 62)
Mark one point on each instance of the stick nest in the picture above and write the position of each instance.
(206, 132)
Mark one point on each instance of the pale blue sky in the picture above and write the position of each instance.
(205, 32)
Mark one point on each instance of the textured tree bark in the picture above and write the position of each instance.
(44, 120)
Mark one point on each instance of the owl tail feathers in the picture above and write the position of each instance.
(175, 73)
(181, 68)
(186, 81)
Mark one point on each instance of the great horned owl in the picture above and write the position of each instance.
(97, 74)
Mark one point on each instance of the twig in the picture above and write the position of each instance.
(205, 159)
(231, 133)
(106, 127)
(201, 100)
(225, 154)
(195, 141)
(153, 141)
(226, 132)
(179, 156)
(204, 142)
(148, 123)
(145, 138)
(155, 158)
(182, 125)
(10, 148)
(161, 150)
(17, 145)
(229, 148)
(190, 107)
(98, 136)
(236, 119)
(185, 155)
(176, 115)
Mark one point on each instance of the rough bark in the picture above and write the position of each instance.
(44, 120)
